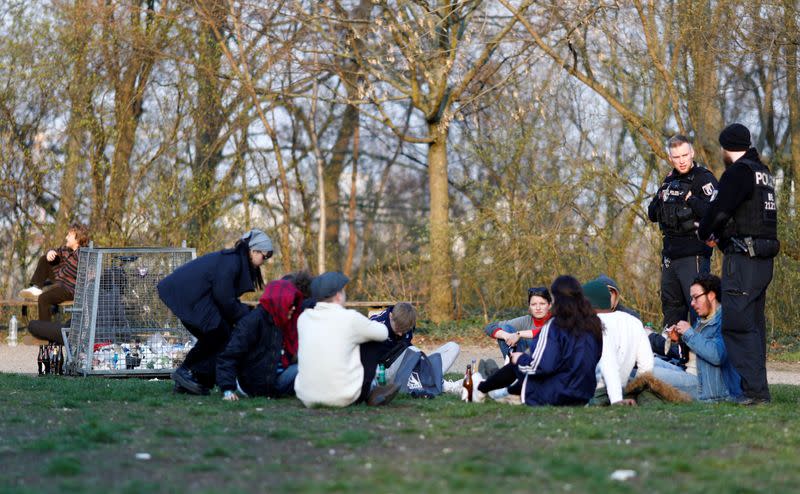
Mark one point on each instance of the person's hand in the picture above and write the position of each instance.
(688, 195)
(51, 255)
(230, 396)
(673, 334)
(515, 356)
(628, 402)
(512, 339)
(681, 327)
(711, 243)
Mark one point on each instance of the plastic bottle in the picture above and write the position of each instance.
(381, 375)
(13, 326)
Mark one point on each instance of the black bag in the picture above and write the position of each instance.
(420, 373)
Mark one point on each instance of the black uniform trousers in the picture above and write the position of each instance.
(744, 327)
(677, 276)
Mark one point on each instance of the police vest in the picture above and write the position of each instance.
(756, 217)
(676, 217)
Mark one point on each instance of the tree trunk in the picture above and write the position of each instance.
(790, 18)
(351, 212)
(80, 103)
(705, 113)
(440, 307)
(209, 121)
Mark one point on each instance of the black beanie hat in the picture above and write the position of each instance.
(735, 137)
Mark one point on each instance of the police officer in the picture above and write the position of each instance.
(743, 222)
(680, 202)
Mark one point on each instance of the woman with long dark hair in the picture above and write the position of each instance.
(560, 369)
(204, 294)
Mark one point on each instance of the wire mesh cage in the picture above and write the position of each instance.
(119, 325)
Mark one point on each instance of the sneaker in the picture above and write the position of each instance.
(498, 394)
(382, 395)
(452, 387)
(749, 402)
(31, 293)
(184, 378)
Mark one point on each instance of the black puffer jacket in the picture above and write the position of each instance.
(252, 355)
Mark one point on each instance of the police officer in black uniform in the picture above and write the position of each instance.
(680, 202)
(743, 222)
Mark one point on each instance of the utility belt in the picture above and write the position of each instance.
(765, 248)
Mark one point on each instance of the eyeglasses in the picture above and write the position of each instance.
(695, 298)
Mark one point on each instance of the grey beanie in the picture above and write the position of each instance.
(258, 240)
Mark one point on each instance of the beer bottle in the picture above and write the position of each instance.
(40, 360)
(46, 359)
(53, 365)
(60, 361)
(468, 382)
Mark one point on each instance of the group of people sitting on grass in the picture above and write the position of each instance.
(577, 345)
(299, 339)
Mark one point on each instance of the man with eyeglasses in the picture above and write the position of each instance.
(709, 374)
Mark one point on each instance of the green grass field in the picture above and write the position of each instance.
(84, 434)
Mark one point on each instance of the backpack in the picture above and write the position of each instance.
(420, 373)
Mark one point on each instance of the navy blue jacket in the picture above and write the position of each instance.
(560, 370)
(205, 292)
(252, 355)
(393, 346)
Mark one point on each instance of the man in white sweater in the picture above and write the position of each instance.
(333, 369)
(625, 344)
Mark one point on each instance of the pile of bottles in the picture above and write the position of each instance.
(152, 355)
(51, 359)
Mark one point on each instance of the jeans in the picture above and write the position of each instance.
(284, 384)
(523, 345)
(677, 378)
(449, 352)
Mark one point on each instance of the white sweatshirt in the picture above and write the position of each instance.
(625, 344)
(329, 370)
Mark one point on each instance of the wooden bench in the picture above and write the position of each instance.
(24, 305)
(371, 306)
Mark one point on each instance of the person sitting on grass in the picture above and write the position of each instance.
(401, 321)
(616, 296)
(560, 370)
(710, 376)
(334, 366)
(625, 346)
(260, 358)
(519, 332)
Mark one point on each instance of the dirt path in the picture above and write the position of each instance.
(22, 359)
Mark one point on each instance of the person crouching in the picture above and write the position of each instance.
(334, 368)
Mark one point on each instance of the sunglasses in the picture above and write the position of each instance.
(538, 291)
